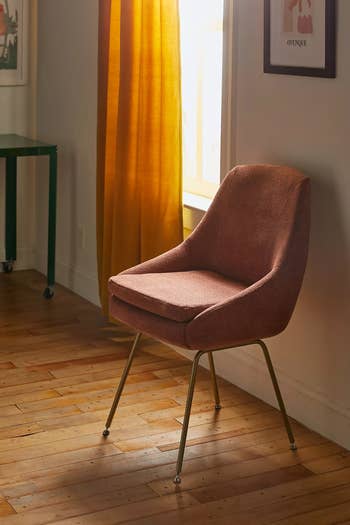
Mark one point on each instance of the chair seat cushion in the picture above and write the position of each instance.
(179, 296)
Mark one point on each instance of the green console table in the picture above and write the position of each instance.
(11, 147)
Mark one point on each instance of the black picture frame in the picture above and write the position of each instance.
(329, 71)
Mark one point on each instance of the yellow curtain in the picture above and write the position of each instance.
(139, 211)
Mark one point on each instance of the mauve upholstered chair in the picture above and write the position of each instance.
(233, 282)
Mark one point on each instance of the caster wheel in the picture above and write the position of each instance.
(7, 266)
(48, 293)
(177, 480)
(105, 433)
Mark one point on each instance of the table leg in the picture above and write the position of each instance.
(48, 293)
(11, 213)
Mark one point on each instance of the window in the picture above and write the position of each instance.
(201, 31)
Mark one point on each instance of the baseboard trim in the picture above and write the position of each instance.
(25, 259)
(309, 407)
(73, 277)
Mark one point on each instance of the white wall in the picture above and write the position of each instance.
(67, 115)
(303, 122)
(18, 115)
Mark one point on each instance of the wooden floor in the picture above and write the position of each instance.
(59, 364)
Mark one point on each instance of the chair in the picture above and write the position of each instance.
(233, 282)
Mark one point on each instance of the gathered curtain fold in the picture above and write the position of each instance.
(139, 149)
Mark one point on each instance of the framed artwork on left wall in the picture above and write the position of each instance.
(300, 37)
(13, 42)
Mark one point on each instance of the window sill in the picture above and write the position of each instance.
(194, 207)
(197, 202)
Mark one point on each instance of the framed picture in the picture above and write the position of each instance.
(13, 42)
(299, 37)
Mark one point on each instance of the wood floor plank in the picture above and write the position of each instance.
(127, 479)
(20, 430)
(92, 487)
(75, 365)
(52, 447)
(247, 468)
(60, 363)
(17, 376)
(125, 470)
(8, 411)
(264, 437)
(85, 473)
(238, 426)
(73, 379)
(19, 417)
(6, 509)
(325, 516)
(150, 382)
(29, 469)
(213, 416)
(301, 507)
(141, 363)
(338, 461)
(260, 507)
(219, 491)
(127, 433)
(28, 397)
(80, 507)
(52, 478)
(7, 365)
(125, 513)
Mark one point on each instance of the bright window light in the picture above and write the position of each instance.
(201, 30)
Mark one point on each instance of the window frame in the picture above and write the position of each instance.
(194, 204)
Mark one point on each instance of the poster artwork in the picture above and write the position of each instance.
(300, 37)
(8, 36)
(298, 16)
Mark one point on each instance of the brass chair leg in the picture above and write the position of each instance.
(191, 387)
(121, 385)
(186, 420)
(278, 394)
(214, 381)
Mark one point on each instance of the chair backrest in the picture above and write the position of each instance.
(259, 220)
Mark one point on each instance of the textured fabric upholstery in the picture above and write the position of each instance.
(248, 255)
(179, 296)
(148, 323)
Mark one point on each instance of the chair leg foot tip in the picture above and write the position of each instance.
(177, 480)
(218, 406)
(105, 433)
(293, 446)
